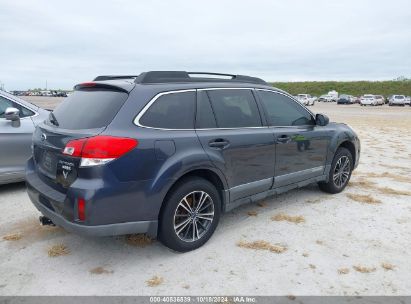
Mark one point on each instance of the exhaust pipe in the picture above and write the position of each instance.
(45, 221)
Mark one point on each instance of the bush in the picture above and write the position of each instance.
(355, 88)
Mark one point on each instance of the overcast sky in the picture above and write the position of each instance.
(66, 42)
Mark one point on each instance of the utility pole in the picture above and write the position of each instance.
(46, 85)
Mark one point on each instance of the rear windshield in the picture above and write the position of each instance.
(89, 109)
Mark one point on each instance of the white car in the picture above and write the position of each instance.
(368, 100)
(397, 100)
(379, 99)
(408, 100)
(326, 98)
(306, 99)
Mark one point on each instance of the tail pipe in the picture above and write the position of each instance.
(45, 221)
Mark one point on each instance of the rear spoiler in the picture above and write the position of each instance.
(108, 85)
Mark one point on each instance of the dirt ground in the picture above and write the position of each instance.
(304, 242)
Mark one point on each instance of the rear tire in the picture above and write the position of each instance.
(340, 172)
(190, 216)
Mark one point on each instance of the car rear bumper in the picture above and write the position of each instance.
(111, 210)
(149, 227)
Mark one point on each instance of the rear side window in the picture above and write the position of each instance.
(205, 116)
(171, 111)
(89, 109)
(283, 111)
(234, 108)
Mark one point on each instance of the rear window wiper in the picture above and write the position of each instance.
(53, 119)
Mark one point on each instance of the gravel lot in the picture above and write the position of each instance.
(353, 243)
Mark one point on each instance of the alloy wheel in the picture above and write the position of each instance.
(193, 216)
(341, 171)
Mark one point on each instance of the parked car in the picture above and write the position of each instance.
(368, 99)
(379, 99)
(407, 100)
(333, 94)
(326, 98)
(357, 99)
(17, 121)
(306, 99)
(345, 99)
(165, 153)
(397, 100)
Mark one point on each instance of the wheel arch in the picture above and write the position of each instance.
(350, 147)
(211, 175)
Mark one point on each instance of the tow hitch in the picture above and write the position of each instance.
(45, 221)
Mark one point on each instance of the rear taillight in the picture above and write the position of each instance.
(99, 150)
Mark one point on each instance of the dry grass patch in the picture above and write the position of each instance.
(396, 177)
(363, 198)
(390, 191)
(262, 204)
(139, 240)
(262, 245)
(394, 167)
(312, 266)
(252, 213)
(155, 281)
(387, 266)
(313, 201)
(58, 250)
(284, 217)
(12, 237)
(100, 270)
(364, 269)
(362, 183)
(343, 271)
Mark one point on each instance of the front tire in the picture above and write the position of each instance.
(190, 216)
(340, 173)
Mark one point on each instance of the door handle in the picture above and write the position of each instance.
(219, 143)
(283, 139)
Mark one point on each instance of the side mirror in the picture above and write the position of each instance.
(321, 119)
(12, 114)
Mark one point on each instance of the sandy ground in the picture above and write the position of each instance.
(44, 102)
(344, 246)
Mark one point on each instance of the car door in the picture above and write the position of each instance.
(301, 145)
(232, 133)
(15, 139)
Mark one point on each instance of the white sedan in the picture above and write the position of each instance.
(368, 100)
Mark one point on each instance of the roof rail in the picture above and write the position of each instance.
(114, 77)
(182, 76)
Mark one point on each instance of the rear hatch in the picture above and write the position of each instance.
(84, 114)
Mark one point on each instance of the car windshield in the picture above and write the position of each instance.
(344, 96)
(399, 97)
(368, 96)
